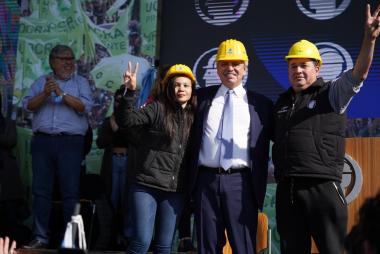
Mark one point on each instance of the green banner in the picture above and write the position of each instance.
(94, 157)
(64, 22)
(23, 154)
(148, 17)
(107, 74)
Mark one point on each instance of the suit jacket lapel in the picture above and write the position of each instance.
(255, 125)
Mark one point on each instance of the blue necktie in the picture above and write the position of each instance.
(226, 132)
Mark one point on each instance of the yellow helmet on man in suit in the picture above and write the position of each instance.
(231, 50)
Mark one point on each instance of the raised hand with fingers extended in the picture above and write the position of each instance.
(130, 76)
(372, 24)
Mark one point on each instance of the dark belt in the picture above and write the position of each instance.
(222, 171)
(39, 133)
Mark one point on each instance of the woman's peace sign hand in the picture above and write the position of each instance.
(130, 76)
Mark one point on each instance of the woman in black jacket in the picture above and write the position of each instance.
(157, 167)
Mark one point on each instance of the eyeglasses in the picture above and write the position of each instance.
(70, 58)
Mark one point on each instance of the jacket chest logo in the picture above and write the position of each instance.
(282, 110)
(312, 104)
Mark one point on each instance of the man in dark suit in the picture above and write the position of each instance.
(229, 156)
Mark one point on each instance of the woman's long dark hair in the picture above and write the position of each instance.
(171, 106)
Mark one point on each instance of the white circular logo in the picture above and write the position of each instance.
(323, 9)
(352, 178)
(220, 13)
(205, 69)
(335, 60)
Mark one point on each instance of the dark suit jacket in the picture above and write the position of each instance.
(261, 128)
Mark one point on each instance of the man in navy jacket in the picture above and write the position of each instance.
(229, 156)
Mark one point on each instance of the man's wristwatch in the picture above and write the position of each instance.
(64, 94)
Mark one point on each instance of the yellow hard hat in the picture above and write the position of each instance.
(231, 50)
(179, 69)
(304, 49)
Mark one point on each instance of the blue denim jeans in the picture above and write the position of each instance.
(119, 170)
(153, 208)
(60, 156)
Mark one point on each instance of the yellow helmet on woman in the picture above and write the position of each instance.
(304, 49)
(231, 50)
(179, 69)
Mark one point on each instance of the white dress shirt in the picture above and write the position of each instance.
(209, 154)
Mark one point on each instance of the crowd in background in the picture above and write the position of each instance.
(363, 127)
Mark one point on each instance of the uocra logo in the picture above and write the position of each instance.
(322, 9)
(220, 13)
(335, 60)
(352, 179)
(205, 69)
